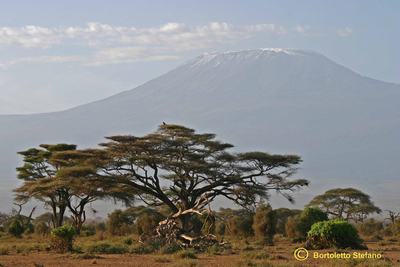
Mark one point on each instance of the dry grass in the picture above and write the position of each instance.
(32, 251)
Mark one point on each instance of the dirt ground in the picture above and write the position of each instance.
(279, 255)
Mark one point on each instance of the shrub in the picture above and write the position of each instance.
(142, 249)
(220, 228)
(291, 228)
(298, 226)
(282, 216)
(308, 217)
(187, 254)
(106, 248)
(128, 241)
(146, 223)
(62, 238)
(370, 227)
(333, 234)
(41, 228)
(88, 230)
(15, 228)
(170, 248)
(100, 227)
(264, 223)
(392, 229)
(215, 250)
(241, 226)
(120, 223)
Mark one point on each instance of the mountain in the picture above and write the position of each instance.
(345, 126)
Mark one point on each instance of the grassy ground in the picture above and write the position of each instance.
(124, 251)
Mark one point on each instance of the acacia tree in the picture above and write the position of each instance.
(78, 176)
(38, 172)
(176, 166)
(65, 179)
(345, 203)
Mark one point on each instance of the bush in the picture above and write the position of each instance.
(106, 248)
(128, 241)
(187, 254)
(62, 238)
(120, 223)
(370, 227)
(298, 226)
(141, 220)
(291, 228)
(241, 226)
(15, 228)
(333, 234)
(282, 216)
(88, 230)
(146, 223)
(308, 217)
(41, 228)
(170, 248)
(142, 249)
(264, 223)
(392, 230)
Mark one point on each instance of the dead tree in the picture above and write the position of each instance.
(393, 216)
(171, 230)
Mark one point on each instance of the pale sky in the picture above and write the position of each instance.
(58, 54)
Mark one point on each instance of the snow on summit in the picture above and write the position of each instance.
(216, 58)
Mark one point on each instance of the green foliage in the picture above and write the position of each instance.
(370, 227)
(88, 230)
(192, 164)
(16, 228)
(41, 228)
(220, 228)
(120, 223)
(38, 173)
(140, 220)
(128, 241)
(291, 228)
(106, 248)
(62, 238)
(308, 217)
(298, 226)
(264, 224)
(236, 223)
(393, 229)
(174, 150)
(241, 226)
(147, 220)
(345, 203)
(186, 254)
(215, 250)
(170, 248)
(333, 234)
(282, 216)
(143, 249)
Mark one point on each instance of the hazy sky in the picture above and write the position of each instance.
(58, 54)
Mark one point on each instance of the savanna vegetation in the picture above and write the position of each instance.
(166, 183)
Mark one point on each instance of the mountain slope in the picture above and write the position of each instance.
(345, 126)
